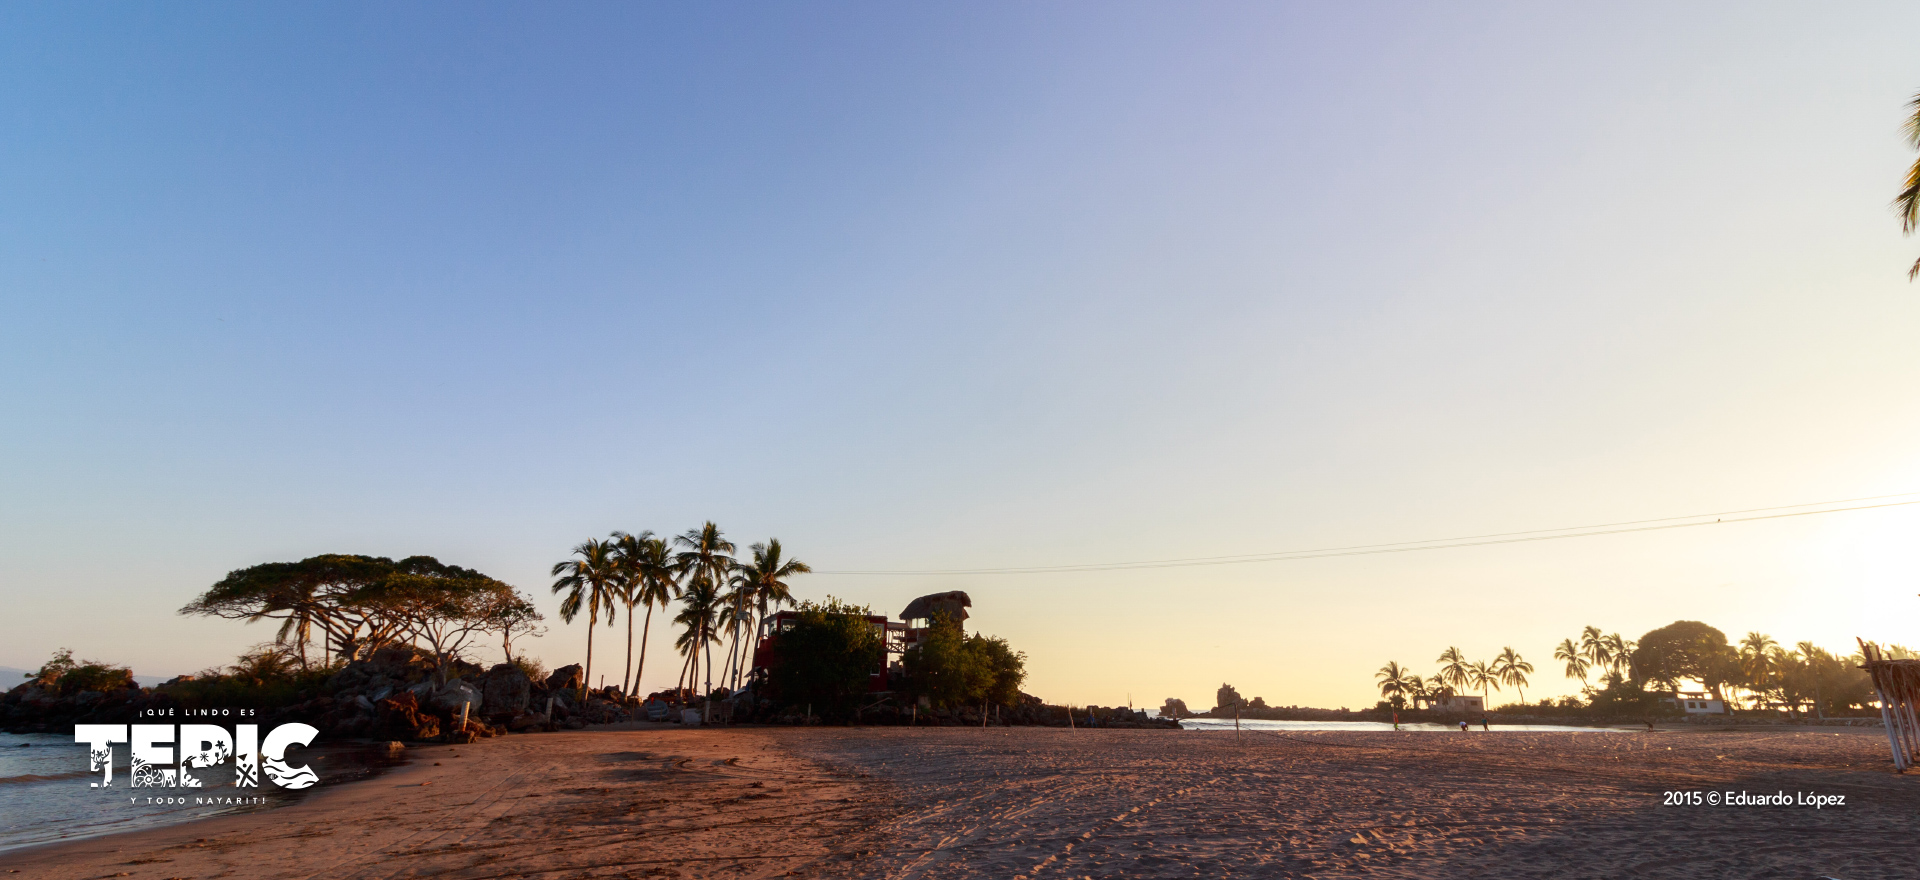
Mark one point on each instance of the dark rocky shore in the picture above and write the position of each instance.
(399, 693)
(396, 694)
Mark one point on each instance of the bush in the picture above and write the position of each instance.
(827, 658)
(1624, 697)
(65, 677)
(266, 677)
(531, 667)
(950, 669)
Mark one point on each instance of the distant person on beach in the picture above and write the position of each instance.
(1396, 720)
(1463, 725)
(1483, 723)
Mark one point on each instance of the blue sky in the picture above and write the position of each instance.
(958, 286)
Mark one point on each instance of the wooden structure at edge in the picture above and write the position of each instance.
(1898, 684)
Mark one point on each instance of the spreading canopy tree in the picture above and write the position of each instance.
(360, 603)
(1686, 649)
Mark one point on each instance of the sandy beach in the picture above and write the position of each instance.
(1045, 803)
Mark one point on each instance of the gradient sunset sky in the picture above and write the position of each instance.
(946, 286)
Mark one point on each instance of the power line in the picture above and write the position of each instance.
(1644, 525)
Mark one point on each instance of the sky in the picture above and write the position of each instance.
(954, 286)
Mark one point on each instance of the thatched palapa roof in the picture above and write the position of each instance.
(953, 604)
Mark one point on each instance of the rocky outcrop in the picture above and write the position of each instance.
(34, 706)
(452, 697)
(506, 692)
(566, 678)
(400, 717)
(398, 693)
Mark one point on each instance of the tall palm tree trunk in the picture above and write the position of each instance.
(644, 631)
(746, 651)
(593, 622)
(680, 684)
(627, 664)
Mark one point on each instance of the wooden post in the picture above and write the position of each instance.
(463, 716)
(1070, 725)
(1896, 695)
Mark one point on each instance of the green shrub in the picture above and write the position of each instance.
(65, 677)
(827, 658)
(266, 677)
(951, 669)
(532, 667)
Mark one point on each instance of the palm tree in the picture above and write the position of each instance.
(1453, 668)
(626, 591)
(706, 557)
(1908, 203)
(1422, 690)
(1619, 653)
(701, 603)
(1512, 671)
(627, 586)
(763, 584)
(1576, 664)
(1393, 681)
(1816, 658)
(1593, 648)
(647, 566)
(1487, 680)
(591, 580)
(1756, 664)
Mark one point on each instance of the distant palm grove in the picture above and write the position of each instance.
(721, 597)
(1621, 676)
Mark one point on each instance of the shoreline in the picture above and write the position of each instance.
(518, 800)
(337, 764)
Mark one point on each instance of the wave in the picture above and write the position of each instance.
(29, 778)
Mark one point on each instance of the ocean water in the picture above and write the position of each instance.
(1374, 726)
(46, 791)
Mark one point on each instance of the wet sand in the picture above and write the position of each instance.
(660, 802)
(1044, 803)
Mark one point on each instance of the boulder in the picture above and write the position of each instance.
(400, 716)
(454, 694)
(529, 721)
(505, 691)
(566, 678)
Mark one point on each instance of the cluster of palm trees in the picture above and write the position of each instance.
(1771, 674)
(1399, 684)
(1596, 652)
(718, 594)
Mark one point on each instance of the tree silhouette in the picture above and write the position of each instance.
(590, 580)
(1512, 671)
